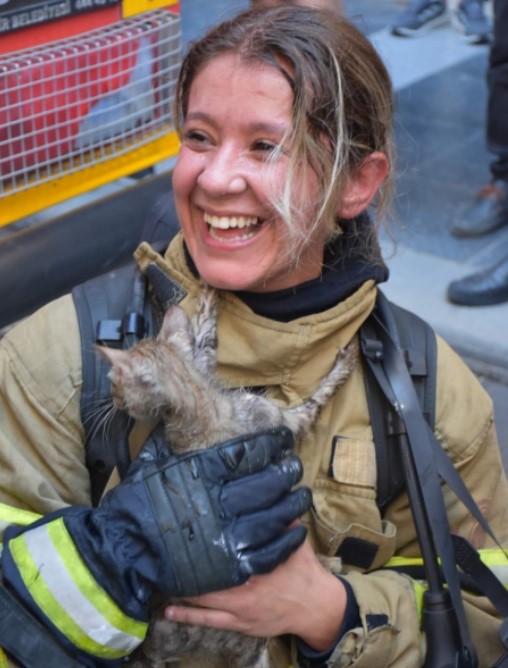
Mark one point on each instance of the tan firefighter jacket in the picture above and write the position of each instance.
(42, 464)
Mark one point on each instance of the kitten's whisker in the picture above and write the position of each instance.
(102, 419)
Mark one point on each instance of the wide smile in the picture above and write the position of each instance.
(232, 228)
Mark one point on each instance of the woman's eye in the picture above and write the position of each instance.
(194, 137)
(264, 146)
(268, 150)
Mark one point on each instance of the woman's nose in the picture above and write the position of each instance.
(222, 173)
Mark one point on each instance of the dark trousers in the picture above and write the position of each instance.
(497, 78)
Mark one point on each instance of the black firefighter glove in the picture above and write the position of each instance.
(177, 526)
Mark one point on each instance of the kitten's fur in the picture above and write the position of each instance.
(172, 376)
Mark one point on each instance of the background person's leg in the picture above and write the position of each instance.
(497, 78)
(489, 210)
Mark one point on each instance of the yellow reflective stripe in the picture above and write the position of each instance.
(63, 588)
(13, 515)
(10, 515)
(490, 556)
(89, 587)
(3, 659)
(395, 562)
(494, 558)
(497, 561)
(50, 606)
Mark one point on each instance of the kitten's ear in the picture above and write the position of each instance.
(114, 356)
(176, 324)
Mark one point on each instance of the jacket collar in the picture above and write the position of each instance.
(256, 351)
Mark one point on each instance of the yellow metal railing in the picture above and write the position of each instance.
(84, 111)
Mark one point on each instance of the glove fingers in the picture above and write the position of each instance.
(261, 490)
(265, 559)
(257, 529)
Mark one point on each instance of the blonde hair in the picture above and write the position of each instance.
(342, 99)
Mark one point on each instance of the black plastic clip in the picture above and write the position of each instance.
(373, 349)
(134, 324)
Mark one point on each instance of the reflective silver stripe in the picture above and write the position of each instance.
(59, 582)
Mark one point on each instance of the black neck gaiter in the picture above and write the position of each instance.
(351, 259)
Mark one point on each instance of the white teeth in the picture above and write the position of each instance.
(227, 223)
(239, 237)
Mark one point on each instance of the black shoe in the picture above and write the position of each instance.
(487, 287)
(488, 212)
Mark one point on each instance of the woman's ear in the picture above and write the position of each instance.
(363, 185)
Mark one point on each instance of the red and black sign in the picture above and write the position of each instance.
(17, 14)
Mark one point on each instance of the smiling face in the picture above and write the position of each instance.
(227, 176)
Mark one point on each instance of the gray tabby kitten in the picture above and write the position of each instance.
(172, 377)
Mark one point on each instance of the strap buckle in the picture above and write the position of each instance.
(115, 331)
(373, 349)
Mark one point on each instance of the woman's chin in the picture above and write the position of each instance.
(234, 276)
(230, 282)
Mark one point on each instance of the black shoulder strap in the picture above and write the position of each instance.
(115, 310)
(448, 639)
(425, 466)
(110, 309)
(418, 343)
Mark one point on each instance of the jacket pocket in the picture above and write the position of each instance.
(346, 521)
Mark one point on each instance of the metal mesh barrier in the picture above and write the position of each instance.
(85, 100)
